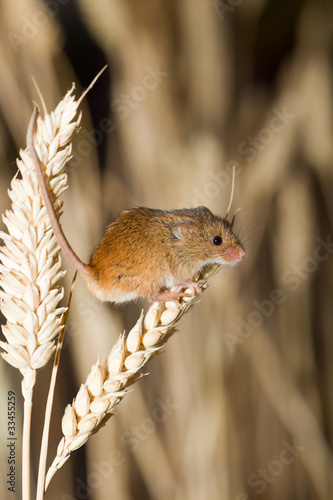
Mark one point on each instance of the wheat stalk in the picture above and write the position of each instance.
(108, 380)
(30, 270)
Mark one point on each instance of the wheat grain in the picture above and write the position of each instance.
(30, 270)
(109, 380)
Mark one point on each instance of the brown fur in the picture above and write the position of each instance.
(147, 251)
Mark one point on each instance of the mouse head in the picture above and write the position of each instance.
(206, 238)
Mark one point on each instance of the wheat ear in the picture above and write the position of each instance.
(109, 380)
(30, 269)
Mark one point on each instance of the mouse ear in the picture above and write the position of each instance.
(184, 230)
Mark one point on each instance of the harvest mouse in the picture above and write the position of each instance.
(147, 252)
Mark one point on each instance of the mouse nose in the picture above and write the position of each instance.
(241, 253)
(234, 254)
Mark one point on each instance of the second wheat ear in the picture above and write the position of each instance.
(148, 252)
(30, 270)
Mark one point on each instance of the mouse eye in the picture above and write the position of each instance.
(217, 240)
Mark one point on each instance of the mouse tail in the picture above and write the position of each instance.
(58, 232)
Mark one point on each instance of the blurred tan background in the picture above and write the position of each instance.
(240, 404)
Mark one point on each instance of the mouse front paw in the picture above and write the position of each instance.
(177, 293)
